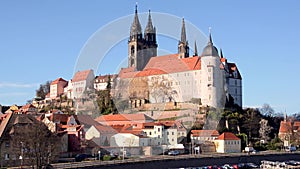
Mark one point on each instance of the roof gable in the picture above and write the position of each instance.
(81, 75)
(227, 136)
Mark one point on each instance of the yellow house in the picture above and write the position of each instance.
(228, 143)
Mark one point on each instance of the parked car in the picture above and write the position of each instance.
(80, 157)
(290, 149)
(173, 153)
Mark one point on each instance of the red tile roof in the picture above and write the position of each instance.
(205, 133)
(105, 77)
(227, 136)
(81, 75)
(56, 81)
(171, 63)
(285, 127)
(296, 123)
(124, 117)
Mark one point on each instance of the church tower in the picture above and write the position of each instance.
(183, 45)
(141, 49)
(135, 42)
(212, 77)
(150, 45)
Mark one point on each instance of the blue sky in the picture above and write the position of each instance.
(41, 40)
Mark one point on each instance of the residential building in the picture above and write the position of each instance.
(58, 122)
(101, 82)
(28, 109)
(100, 134)
(82, 81)
(57, 87)
(200, 136)
(128, 140)
(227, 142)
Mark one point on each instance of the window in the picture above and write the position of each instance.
(172, 139)
(6, 156)
(172, 133)
(158, 136)
(7, 144)
(158, 129)
(150, 133)
(167, 133)
(209, 78)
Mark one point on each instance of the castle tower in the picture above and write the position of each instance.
(135, 42)
(183, 45)
(212, 77)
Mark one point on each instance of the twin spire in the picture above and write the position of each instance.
(136, 28)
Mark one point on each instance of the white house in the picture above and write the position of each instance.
(100, 82)
(128, 140)
(100, 134)
(228, 143)
(82, 81)
(200, 136)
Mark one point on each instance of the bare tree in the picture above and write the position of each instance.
(34, 143)
(264, 129)
(161, 90)
(267, 110)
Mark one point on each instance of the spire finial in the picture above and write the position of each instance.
(136, 4)
(195, 49)
(221, 53)
(210, 38)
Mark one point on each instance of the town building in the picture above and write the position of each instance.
(200, 136)
(57, 87)
(82, 81)
(227, 142)
(178, 77)
(101, 81)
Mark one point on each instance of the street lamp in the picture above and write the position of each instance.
(99, 153)
(21, 156)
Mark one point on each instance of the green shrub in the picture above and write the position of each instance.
(106, 157)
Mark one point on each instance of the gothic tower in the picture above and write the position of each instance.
(183, 45)
(141, 49)
(135, 42)
(150, 45)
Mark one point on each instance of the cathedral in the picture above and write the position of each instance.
(180, 77)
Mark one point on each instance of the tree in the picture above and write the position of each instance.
(43, 90)
(34, 142)
(104, 100)
(264, 130)
(267, 110)
(251, 119)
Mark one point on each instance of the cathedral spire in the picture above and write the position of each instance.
(183, 34)
(195, 49)
(149, 27)
(136, 26)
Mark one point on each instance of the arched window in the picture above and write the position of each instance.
(132, 50)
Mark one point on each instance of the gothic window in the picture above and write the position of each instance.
(132, 50)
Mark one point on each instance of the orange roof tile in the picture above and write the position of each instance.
(81, 75)
(227, 136)
(297, 123)
(205, 133)
(285, 127)
(56, 81)
(124, 117)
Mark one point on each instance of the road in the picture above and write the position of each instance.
(161, 162)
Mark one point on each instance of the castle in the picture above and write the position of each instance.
(208, 78)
